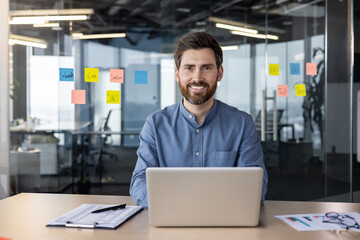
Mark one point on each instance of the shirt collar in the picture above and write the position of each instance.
(191, 118)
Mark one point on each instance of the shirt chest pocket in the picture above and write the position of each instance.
(221, 159)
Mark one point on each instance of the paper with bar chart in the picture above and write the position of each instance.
(314, 222)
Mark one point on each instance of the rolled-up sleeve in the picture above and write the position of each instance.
(147, 157)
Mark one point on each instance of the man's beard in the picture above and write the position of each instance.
(197, 98)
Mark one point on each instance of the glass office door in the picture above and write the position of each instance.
(293, 103)
(305, 105)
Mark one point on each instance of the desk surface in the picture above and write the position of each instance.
(52, 127)
(25, 215)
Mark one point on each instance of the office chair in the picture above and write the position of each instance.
(105, 140)
(96, 147)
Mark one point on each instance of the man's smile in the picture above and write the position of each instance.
(197, 89)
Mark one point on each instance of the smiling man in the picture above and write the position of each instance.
(199, 131)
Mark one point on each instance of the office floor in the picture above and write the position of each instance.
(116, 176)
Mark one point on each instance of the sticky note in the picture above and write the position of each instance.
(91, 75)
(141, 77)
(294, 68)
(78, 96)
(274, 69)
(117, 75)
(311, 69)
(282, 90)
(300, 90)
(66, 74)
(112, 97)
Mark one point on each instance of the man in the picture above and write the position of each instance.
(199, 131)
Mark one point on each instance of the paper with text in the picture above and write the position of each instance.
(66, 74)
(117, 75)
(82, 216)
(300, 90)
(274, 69)
(314, 222)
(294, 68)
(112, 97)
(91, 75)
(282, 90)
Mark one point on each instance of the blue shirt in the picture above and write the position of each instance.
(172, 138)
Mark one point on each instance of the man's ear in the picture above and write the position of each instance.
(220, 73)
(176, 74)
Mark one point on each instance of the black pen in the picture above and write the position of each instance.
(117, 207)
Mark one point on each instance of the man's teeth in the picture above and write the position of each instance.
(195, 87)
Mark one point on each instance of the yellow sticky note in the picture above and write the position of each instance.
(78, 96)
(300, 90)
(282, 90)
(112, 97)
(311, 69)
(117, 75)
(274, 69)
(91, 75)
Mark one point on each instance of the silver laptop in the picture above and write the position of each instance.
(204, 196)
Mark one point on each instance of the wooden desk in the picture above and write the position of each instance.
(24, 216)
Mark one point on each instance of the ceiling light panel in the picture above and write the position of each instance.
(44, 19)
(261, 36)
(235, 28)
(98, 36)
(39, 12)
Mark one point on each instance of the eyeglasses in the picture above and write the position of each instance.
(344, 221)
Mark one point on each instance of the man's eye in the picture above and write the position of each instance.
(188, 68)
(207, 68)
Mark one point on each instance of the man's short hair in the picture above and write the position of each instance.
(198, 40)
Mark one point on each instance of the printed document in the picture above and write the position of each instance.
(83, 218)
(314, 222)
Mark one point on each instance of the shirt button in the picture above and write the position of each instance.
(197, 130)
(190, 116)
(197, 153)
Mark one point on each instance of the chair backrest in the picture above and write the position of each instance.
(106, 123)
(100, 124)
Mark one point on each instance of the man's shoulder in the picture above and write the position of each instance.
(227, 110)
(164, 113)
(233, 117)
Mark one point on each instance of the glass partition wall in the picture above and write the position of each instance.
(79, 98)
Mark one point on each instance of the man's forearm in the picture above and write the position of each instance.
(138, 190)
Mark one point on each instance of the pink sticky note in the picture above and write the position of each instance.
(311, 69)
(117, 75)
(282, 90)
(78, 96)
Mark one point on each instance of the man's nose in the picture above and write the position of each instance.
(197, 77)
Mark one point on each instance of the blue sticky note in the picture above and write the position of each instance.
(141, 77)
(294, 68)
(66, 74)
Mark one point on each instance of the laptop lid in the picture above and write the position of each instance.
(204, 196)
